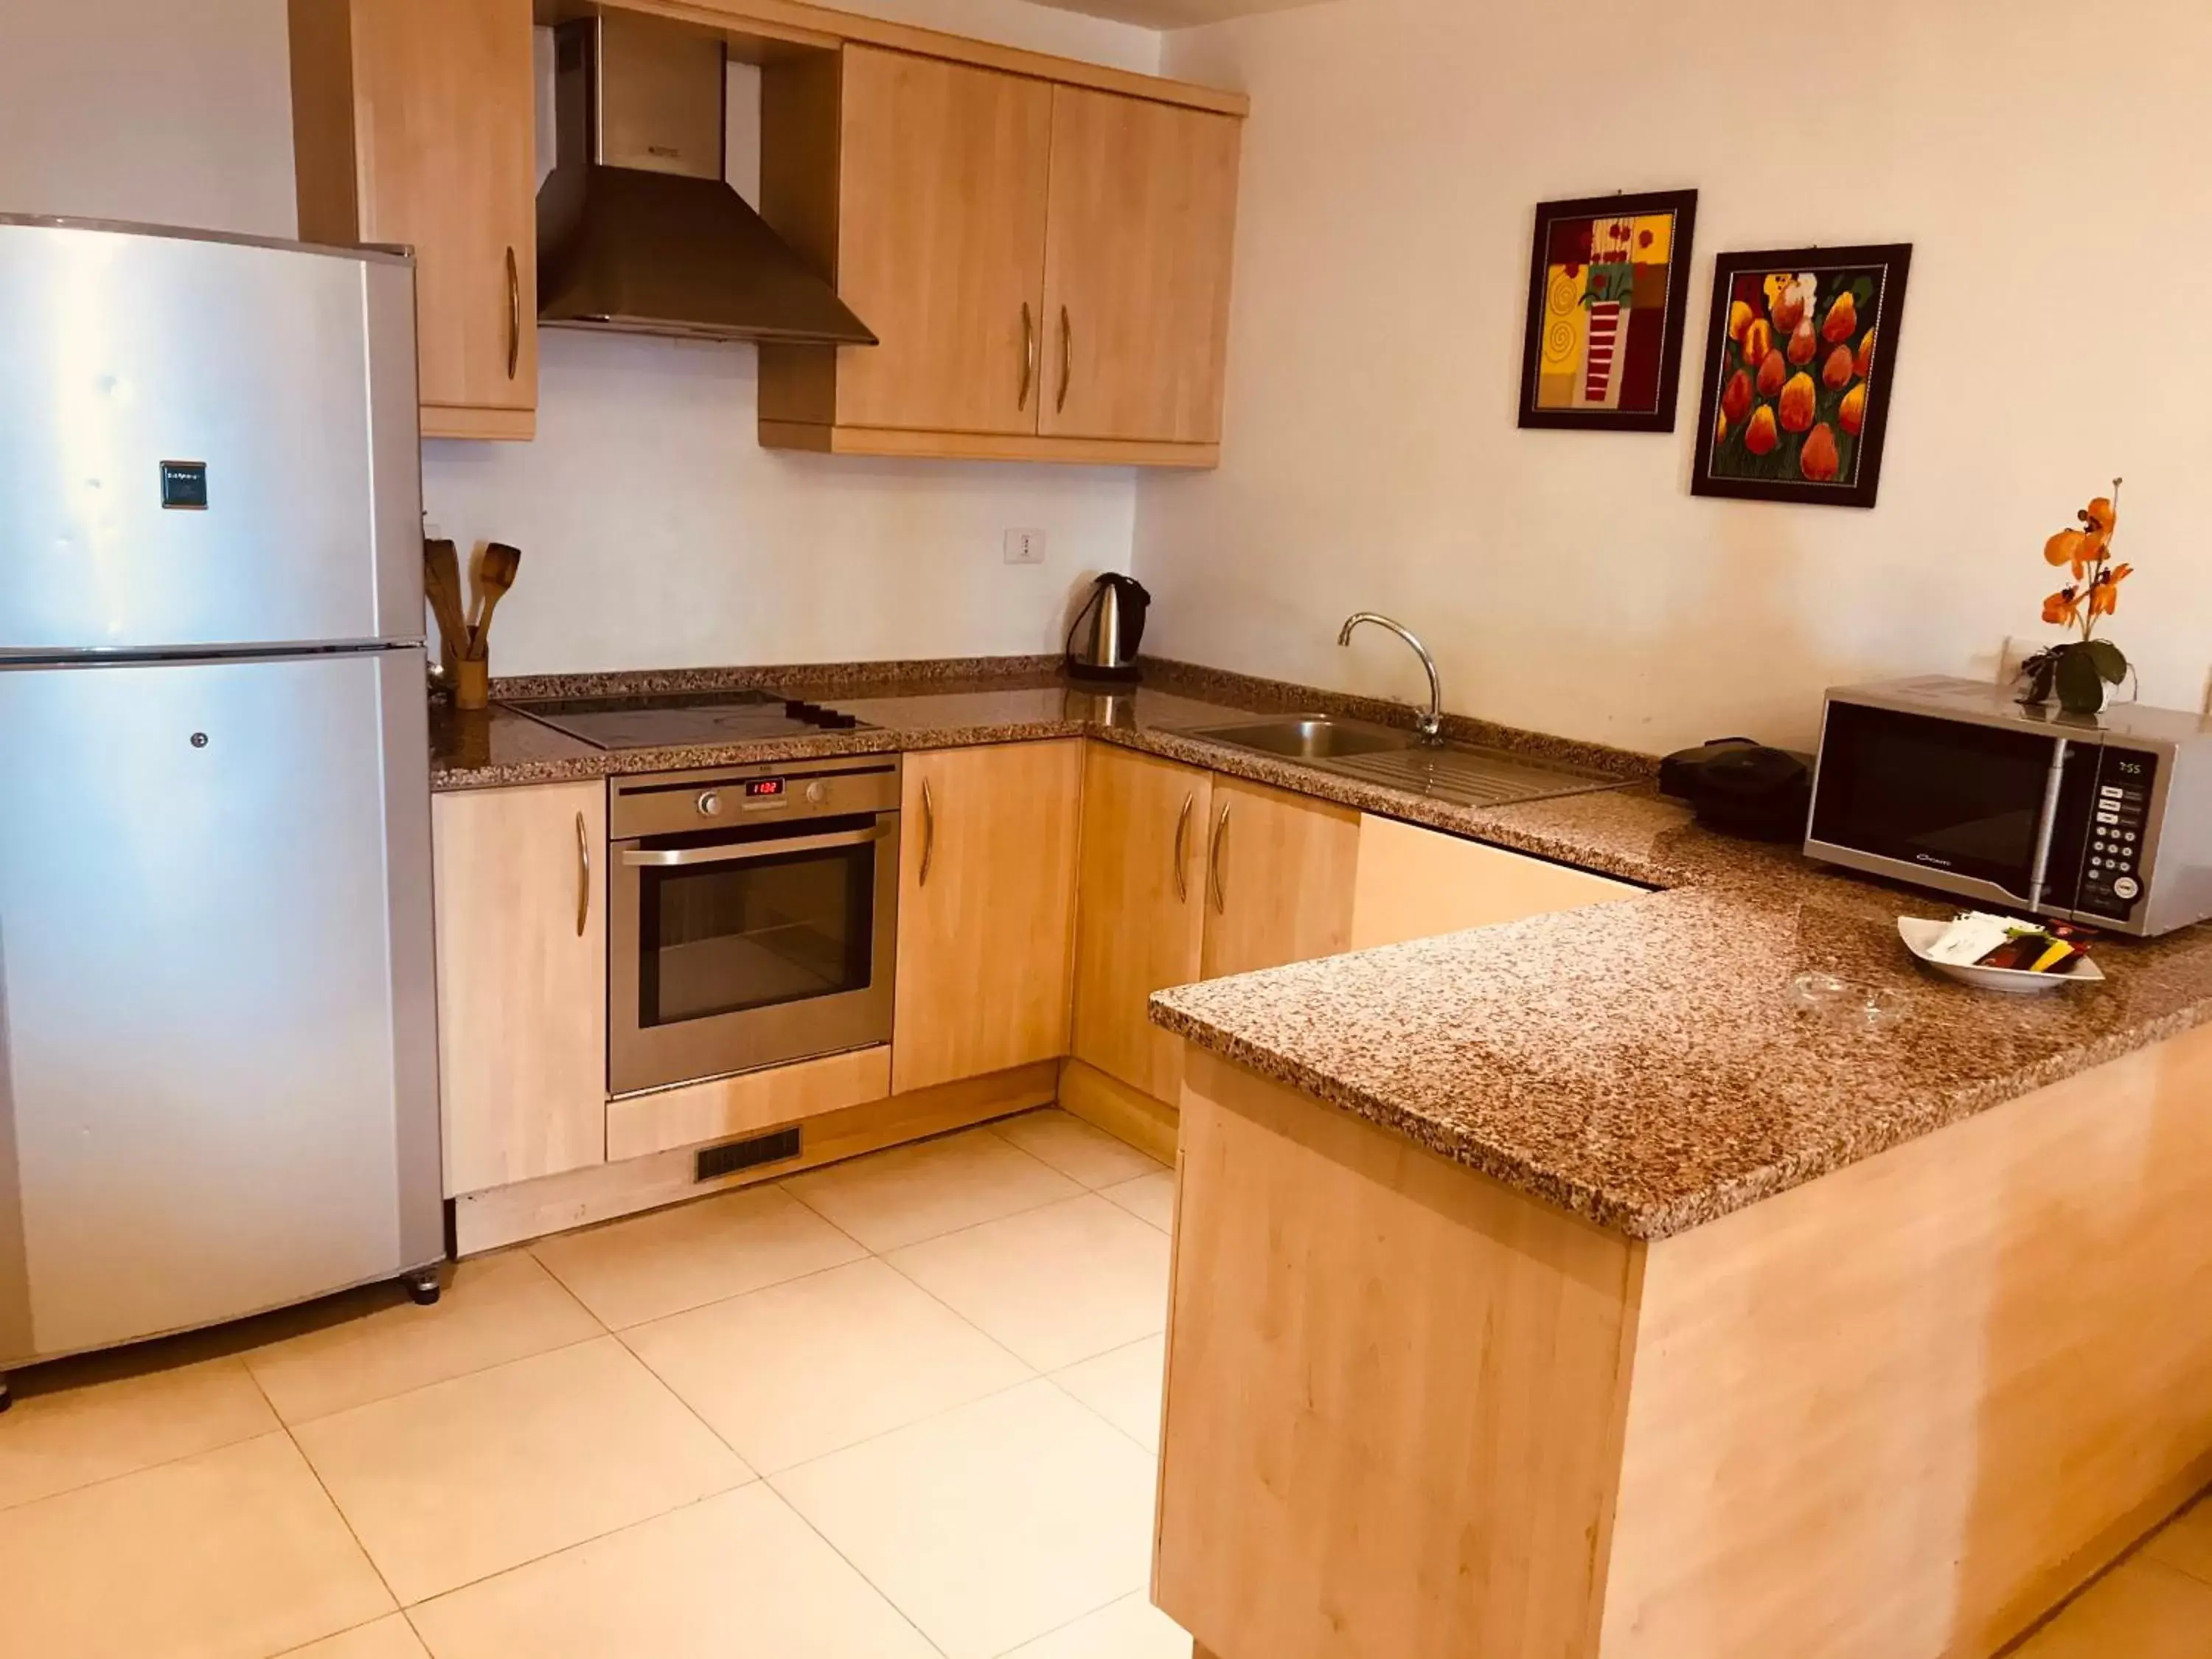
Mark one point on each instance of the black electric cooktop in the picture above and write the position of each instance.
(676, 720)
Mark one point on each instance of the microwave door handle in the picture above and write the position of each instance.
(2047, 825)
(688, 857)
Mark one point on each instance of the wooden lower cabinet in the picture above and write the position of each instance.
(986, 910)
(1418, 883)
(522, 981)
(1142, 901)
(1279, 871)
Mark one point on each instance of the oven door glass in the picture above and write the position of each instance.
(1946, 795)
(733, 952)
(754, 933)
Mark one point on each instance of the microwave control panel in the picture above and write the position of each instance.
(2111, 867)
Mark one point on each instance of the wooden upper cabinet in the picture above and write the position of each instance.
(987, 841)
(944, 214)
(413, 122)
(522, 981)
(1046, 266)
(1280, 872)
(1140, 911)
(1137, 263)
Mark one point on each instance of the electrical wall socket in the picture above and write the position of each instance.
(1025, 547)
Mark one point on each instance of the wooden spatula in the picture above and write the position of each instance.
(494, 575)
(441, 579)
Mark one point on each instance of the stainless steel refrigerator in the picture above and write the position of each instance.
(218, 1053)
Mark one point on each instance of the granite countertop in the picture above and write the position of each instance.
(1643, 1064)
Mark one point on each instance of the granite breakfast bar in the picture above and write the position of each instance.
(1568, 1288)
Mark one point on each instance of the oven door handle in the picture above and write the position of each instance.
(686, 857)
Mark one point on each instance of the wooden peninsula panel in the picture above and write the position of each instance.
(1906, 1409)
(1901, 1411)
(1394, 1393)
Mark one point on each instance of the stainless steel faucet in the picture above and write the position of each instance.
(1430, 725)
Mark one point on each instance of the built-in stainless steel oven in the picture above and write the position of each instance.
(2104, 819)
(754, 917)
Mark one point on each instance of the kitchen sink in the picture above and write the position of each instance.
(1459, 774)
(1308, 738)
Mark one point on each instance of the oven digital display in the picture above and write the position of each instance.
(765, 788)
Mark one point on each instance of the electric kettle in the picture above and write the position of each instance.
(1102, 644)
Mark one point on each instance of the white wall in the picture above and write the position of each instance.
(2045, 157)
(655, 531)
(146, 110)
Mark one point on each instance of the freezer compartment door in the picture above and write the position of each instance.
(205, 443)
(218, 1091)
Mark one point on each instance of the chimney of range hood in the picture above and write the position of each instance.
(637, 232)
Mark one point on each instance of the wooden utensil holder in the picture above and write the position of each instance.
(472, 682)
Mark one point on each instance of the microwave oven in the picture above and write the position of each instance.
(2103, 819)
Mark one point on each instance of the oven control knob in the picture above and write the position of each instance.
(710, 804)
(816, 793)
(2126, 887)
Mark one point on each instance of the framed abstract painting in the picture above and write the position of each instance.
(1796, 382)
(1608, 290)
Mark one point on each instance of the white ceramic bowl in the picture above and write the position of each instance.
(1920, 937)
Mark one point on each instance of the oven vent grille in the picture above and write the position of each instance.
(717, 1161)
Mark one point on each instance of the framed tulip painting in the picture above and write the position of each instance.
(1796, 388)
(1609, 288)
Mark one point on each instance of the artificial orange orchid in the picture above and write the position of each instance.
(2082, 670)
(2094, 591)
(2105, 591)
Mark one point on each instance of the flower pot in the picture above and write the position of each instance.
(2080, 675)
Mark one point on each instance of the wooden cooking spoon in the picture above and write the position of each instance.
(502, 564)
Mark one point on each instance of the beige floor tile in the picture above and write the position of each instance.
(1133, 1628)
(1123, 1387)
(391, 1637)
(913, 1193)
(1056, 1285)
(789, 1373)
(1076, 1149)
(736, 1577)
(57, 1438)
(2140, 1610)
(455, 1482)
(2186, 1544)
(655, 1264)
(496, 1308)
(230, 1554)
(1149, 1198)
(991, 1524)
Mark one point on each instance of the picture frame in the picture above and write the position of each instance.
(1809, 426)
(1603, 347)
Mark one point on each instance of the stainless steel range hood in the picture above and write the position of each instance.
(637, 232)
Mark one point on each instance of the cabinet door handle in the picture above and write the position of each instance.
(1182, 839)
(1029, 355)
(583, 876)
(1216, 861)
(513, 315)
(929, 833)
(1066, 359)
